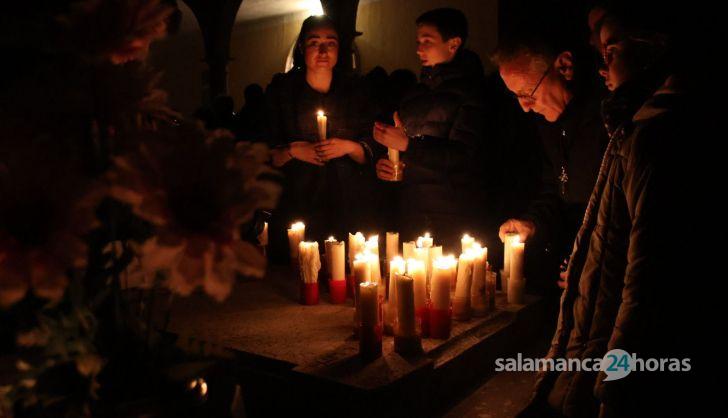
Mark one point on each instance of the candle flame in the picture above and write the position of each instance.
(467, 237)
(320, 113)
(331, 238)
(298, 226)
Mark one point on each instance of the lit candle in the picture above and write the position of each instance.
(321, 122)
(396, 267)
(263, 237)
(356, 245)
(434, 254)
(408, 250)
(372, 245)
(369, 304)
(461, 302)
(466, 242)
(362, 274)
(516, 281)
(405, 306)
(296, 234)
(416, 270)
(517, 249)
(392, 245)
(478, 301)
(443, 271)
(423, 254)
(335, 259)
(424, 242)
(507, 253)
(308, 261)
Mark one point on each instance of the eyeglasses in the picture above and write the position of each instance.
(530, 96)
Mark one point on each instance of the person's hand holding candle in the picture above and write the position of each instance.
(337, 147)
(391, 136)
(524, 228)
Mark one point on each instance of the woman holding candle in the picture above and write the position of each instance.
(326, 183)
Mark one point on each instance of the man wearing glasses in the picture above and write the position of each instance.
(550, 77)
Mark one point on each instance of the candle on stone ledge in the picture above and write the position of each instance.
(396, 267)
(392, 245)
(478, 301)
(309, 264)
(405, 306)
(425, 241)
(505, 274)
(461, 301)
(408, 250)
(362, 274)
(321, 123)
(370, 334)
(335, 259)
(443, 274)
(296, 235)
(356, 245)
(516, 281)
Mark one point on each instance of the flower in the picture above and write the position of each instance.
(197, 192)
(46, 208)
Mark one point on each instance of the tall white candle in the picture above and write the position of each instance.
(434, 254)
(356, 245)
(393, 155)
(478, 302)
(396, 267)
(405, 306)
(507, 253)
(442, 277)
(335, 259)
(369, 304)
(461, 302)
(423, 254)
(296, 234)
(517, 250)
(416, 270)
(408, 250)
(321, 123)
(392, 245)
(362, 274)
(466, 242)
(309, 261)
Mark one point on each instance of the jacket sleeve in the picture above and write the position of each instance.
(458, 150)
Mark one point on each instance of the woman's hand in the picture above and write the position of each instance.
(335, 148)
(306, 152)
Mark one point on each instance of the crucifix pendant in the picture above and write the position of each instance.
(563, 179)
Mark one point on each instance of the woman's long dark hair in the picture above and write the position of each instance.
(311, 23)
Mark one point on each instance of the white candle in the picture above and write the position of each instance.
(466, 242)
(321, 122)
(369, 304)
(396, 267)
(392, 245)
(335, 259)
(356, 245)
(434, 254)
(393, 155)
(517, 249)
(372, 245)
(465, 275)
(405, 306)
(296, 234)
(361, 275)
(408, 250)
(263, 237)
(416, 270)
(309, 261)
(478, 302)
(507, 253)
(442, 277)
(461, 302)
(423, 254)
